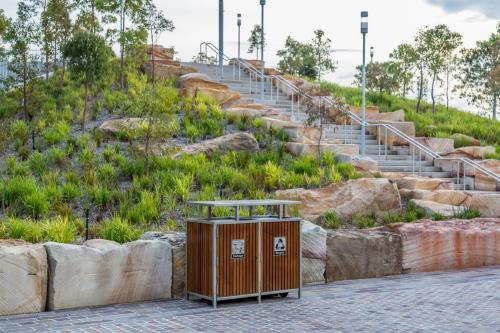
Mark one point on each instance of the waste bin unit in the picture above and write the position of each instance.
(237, 257)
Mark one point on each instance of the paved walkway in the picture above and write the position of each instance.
(466, 301)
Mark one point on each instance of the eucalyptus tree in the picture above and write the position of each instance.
(380, 77)
(22, 35)
(88, 56)
(155, 23)
(254, 40)
(322, 49)
(297, 58)
(479, 73)
(405, 58)
(437, 45)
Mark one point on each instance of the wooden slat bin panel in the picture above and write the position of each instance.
(280, 268)
(237, 275)
(199, 261)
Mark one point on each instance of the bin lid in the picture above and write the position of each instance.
(245, 203)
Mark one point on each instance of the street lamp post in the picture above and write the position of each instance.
(238, 22)
(364, 31)
(262, 83)
(221, 35)
(371, 54)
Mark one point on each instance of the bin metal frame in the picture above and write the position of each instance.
(237, 219)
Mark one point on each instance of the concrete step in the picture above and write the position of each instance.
(391, 157)
(416, 168)
(404, 163)
(443, 174)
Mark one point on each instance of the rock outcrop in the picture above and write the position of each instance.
(196, 83)
(359, 196)
(445, 245)
(472, 152)
(23, 277)
(177, 241)
(438, 145)
(363, 164)
(113, 127)
(167, 71)
(104, 272)
(423, 183)
(362, 254)
(299, 148)
(461, 138)
(231, 142)
(406, 127)
(432, 208)
(313, 253)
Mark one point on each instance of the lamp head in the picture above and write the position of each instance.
(238, 21)
(364, 22)
(262, 2)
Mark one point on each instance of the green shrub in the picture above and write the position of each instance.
(363, 222)
(119, 230)
(56, 156)
(272, 175)
(60, 230)
(414, 213)
(333, 176)
(19, 188)
(331, 221)
(106, 174)
(101, 197)
(37, 204)
(182, 186)
(70, 191)
(37, 163)
(389, 218)
(439, 217)
(347, 170)
(468, 214)
(27, 230)
(305, 165)
(56, 134)
(19, 131)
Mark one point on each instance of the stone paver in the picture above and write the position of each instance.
(465, 301)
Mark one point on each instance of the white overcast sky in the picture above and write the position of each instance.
(391, 22)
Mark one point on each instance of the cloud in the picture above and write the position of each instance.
(489, 8)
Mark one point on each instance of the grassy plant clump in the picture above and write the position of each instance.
(363, 222)
(37, 204)
(60, 230)
(468, 214)
(119, 230)
(331, 221)
(389, 218)
(414, 213)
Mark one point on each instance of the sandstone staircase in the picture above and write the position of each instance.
(388, 158)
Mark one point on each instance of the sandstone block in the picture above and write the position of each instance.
(231, 142)
(362, 254)
(359, 196)
(446, 245)
(313, 253)
(104, 272)
(23, 277)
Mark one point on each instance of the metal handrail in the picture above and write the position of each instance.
(411, 141)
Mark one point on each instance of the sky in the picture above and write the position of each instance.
(391, 22)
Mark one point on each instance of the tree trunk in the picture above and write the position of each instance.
(122, 58)
(153, 56)
(432, 94)
(447, 89)
(495, 97)
(420, 88)
(148, 139)
(321, 131)
(25, 81)
(84, 116)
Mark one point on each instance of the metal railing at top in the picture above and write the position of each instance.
(296, 94)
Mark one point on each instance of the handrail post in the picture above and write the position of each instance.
(420, 162)
(458, 172)
(412, 159)
(385, 143)
(464, 175)
(378, 140)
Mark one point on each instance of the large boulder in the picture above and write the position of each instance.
(113, 127)
(23, 277)
(423, 183)
(360, 196)
(167, 71)
(313, 253)
(454, 166)
(363, 164)
(459, 138)
(393, 139)
(473, 152)
(310, 148)
(432, 208)
(196, 83)
(104, 272)
(177, 241)
(231, 142)
(362, 254)
(160, 52)
(488, 204)
(438, 145)
(453, 244)
(482, 181)
(375, 116)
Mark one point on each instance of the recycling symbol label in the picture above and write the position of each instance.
(237, 248)
(279, 246)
